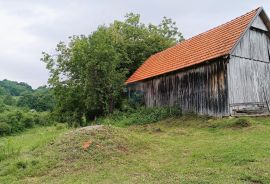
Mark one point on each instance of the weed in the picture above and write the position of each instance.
(21, 165)
(241, 123)
(34, 162)
(7, 149)
(252, 179)
(60, 126)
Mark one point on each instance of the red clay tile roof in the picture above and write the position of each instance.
(211, 44)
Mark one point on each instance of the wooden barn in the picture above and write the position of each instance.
(221, 72)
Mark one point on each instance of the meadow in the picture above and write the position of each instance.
(186, 149)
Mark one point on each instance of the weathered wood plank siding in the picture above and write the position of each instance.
(254, 45)
(201, 89)
(249, 71)
(249, 81)
(258, 23)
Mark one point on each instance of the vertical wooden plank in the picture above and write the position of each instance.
(201, 89)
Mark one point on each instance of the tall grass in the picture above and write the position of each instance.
(139, 116)
(7, 149)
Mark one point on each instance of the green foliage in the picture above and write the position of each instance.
(8, 100)
(15, 121)
(2, 106)
(44, 99)
(26, 100)
(21, 94)
(21, 165)
(88, 74)
(140, 116)
(241, 123)
(12, 146)
(14, 88)
(43, 119)
(3, 91)
(61, 126)
(28, 121)
(40, 100)
(7, 149)
(5, 128)
(149, 153)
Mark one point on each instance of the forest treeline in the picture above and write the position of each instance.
(22, 107)
(87, 74)
(21, 94)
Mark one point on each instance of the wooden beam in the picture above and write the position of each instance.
(250, 59)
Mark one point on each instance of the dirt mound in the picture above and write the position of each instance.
(91, 143)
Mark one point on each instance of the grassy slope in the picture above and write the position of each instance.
(184, 150)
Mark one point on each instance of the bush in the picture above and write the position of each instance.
(28, 121)
(13, 119)
(241, 123)
(140, 116)
(18, 120)
(5, 128)
(43, 119)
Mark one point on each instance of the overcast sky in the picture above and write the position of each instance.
(29, 27)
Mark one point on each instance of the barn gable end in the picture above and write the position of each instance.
(259, 24)
(249, 70)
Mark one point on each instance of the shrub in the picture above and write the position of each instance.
(140, 116)
(241, 123)
(5, 128)
(19, 120)
(28, 121)
(13, 119)
(43, 119)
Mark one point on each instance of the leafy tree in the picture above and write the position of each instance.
(15, 88)
(41, 100)
(5, 128)
(2, 106)
(27, 100)
(44, 99)
(87, 75)
(3, 91)
(8, 100)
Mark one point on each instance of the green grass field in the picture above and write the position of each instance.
(183, 150)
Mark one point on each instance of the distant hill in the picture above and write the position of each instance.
(14, 88)
(21, 94)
